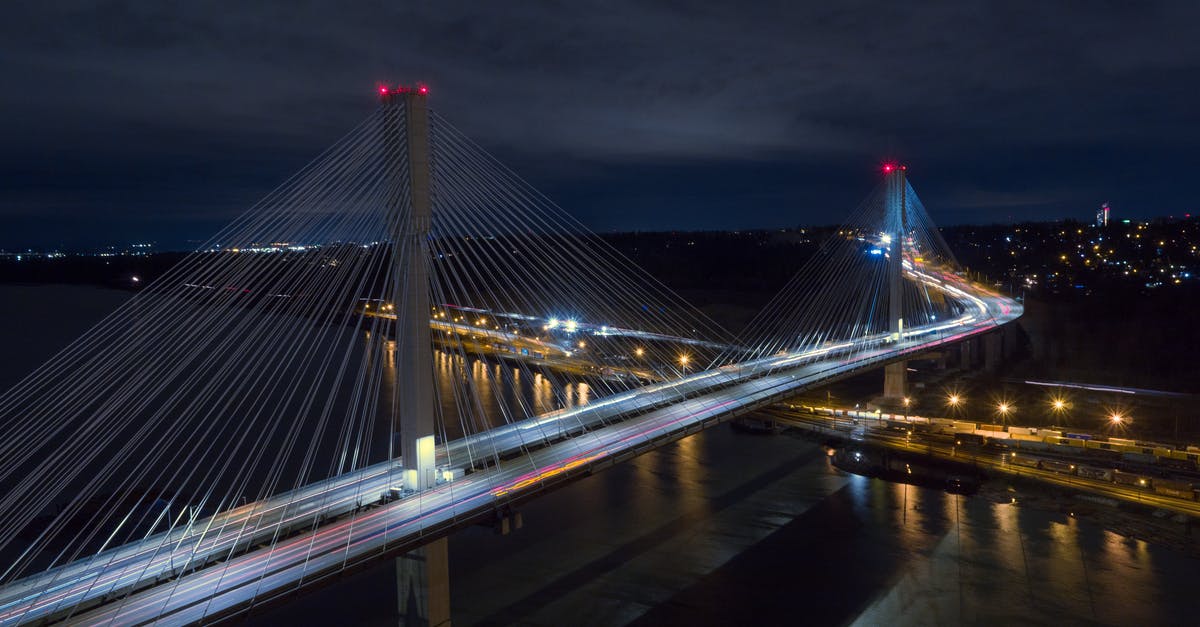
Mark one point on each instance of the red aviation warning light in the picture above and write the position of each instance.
(386, 92)
(405, 89)
(888, 168)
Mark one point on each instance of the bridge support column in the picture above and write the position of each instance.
(895, 376)
(993, 346)
(423, 577)
(423, 586)
(966, 354)
(406, 139)
(895, 380)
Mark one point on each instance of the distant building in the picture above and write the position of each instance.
(1102, 215)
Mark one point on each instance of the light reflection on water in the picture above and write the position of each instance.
(475, 394)
(968, 560)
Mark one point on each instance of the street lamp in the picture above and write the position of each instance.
(1004, 409)
(1116, 418)
(1059, 406)
(639, 351)
(955, 402)
(683, 361)
(907, 403)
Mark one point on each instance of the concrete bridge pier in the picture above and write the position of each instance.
(993, 351)
(967, 350)
(895, 380)
(423, 586)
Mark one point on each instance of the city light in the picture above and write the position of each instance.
(953, 400)
(570, 326)
(1116, 418)
(552, 323)
(907, 401)
(1004, 408)
(639, 351)
(1058, 404)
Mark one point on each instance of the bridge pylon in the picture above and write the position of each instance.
(410, 214)
(422, 576)
(895, 375)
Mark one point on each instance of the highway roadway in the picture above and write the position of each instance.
(219, 565)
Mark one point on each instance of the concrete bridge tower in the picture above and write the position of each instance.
(895, 375)
(423, 582)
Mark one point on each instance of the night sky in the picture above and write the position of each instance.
(130, 121)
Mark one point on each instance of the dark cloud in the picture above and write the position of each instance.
(168, 117)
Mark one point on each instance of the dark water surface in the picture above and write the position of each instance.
(724, 528)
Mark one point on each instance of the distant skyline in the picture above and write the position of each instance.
(152, 246)
(130, 121)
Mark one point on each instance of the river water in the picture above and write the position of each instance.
(725, 528)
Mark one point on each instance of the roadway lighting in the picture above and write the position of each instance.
(1003, 408)
(1116, 418)
(953, 400)
(582, 344)
(639, 352)
(907, 401)
(683, 361)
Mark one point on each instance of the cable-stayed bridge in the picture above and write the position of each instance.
(377, 353)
